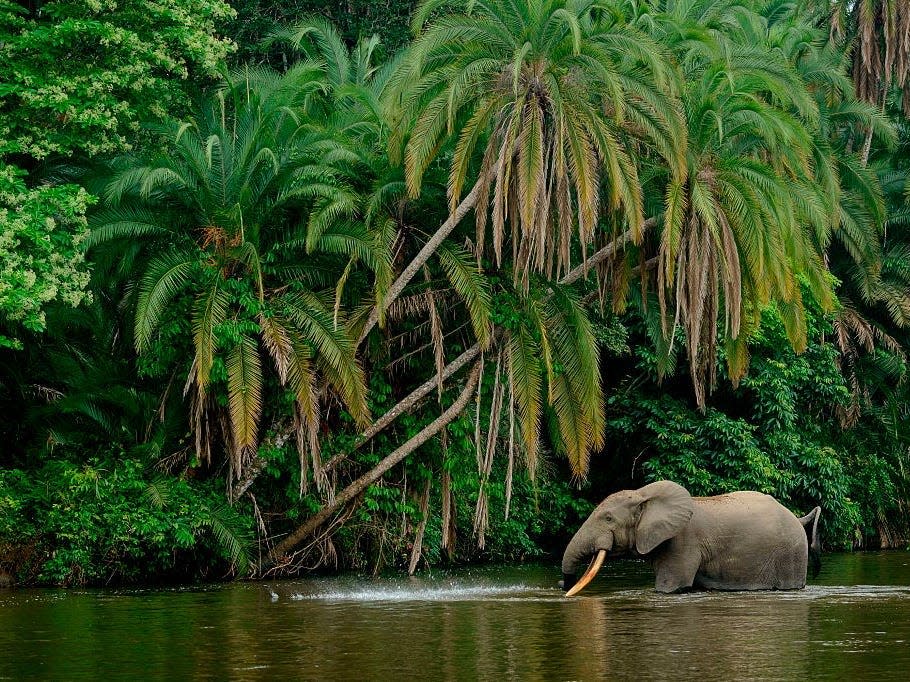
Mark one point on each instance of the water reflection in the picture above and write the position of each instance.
(714, 640)
(496, 623)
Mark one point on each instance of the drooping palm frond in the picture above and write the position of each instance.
(523, 93)
(574, 377)
(166, 276)
(553, 370)
(471, 285)
(335, 350)
(526, 381)
(131, 222)
(209, 311)
(232, 535)
(244, 379)
(882, 54)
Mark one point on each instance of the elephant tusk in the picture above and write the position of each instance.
(589, 574)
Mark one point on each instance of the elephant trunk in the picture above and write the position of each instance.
(579, 550)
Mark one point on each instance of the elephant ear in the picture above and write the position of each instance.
(665, 510)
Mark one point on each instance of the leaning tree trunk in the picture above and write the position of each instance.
(602, 254)
(407, 403)
(403, 406)
(374, 474)
(420, 259)
(422, 391)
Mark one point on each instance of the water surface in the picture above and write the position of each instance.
(492, 623)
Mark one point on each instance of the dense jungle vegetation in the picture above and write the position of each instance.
(380, 283)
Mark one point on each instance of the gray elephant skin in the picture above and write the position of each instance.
(739, 541)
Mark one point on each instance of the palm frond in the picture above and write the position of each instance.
(164, 278)
(244, 381)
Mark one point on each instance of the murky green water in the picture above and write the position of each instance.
(852, 623)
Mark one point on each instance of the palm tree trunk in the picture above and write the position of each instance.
(420, 259)
(867, 147)
(374, 474)
(867, 143)
(257, 466)
(602, 254)
(406, 404)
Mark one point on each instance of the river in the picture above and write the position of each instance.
(852, 623)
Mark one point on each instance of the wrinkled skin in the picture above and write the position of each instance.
(738, 541)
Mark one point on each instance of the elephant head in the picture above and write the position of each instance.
(630, 520)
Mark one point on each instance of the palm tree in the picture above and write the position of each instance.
(874, 308)
(552, 96)
(551, 92)
(250, 210)
(748, 220)
(767, 182)
(866, 253)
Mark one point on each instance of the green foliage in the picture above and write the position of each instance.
(540, 512)
(111, 519)
(355, 19)
(748, 213)
(79, 76)
(41, 255)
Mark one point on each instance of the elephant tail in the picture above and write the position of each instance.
(810, 525)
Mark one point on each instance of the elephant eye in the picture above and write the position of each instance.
(608, 516)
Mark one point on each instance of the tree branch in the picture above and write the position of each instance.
(603, 254)
(408, 402)
(379, 470)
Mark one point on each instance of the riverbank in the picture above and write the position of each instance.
(118, 521)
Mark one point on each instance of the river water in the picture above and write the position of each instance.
(852, 623)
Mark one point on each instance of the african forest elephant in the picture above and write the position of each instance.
(737, 541)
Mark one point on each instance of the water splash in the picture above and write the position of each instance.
(430, 593)
(465, 592)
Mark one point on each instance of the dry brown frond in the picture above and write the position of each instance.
(278, 344)
(882, 54)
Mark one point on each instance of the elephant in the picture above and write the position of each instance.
(743, 540)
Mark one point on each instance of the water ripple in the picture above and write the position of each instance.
(833, 593)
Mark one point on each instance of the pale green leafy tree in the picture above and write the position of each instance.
(41, 258)
(81, 74)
